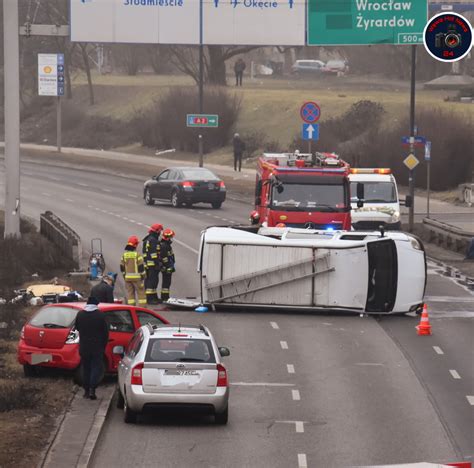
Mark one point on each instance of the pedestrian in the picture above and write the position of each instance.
(93, 338)
(167, 262)
(104, 291)
(239, 68)
(133, 270)
(239, 148)
(151, 249)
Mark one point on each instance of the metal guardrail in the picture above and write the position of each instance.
(61, 235)
(447, 235)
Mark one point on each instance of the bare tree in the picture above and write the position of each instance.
(87, 67)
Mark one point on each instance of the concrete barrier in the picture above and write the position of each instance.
(446, 235)
(61, 235)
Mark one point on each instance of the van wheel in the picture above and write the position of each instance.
(29, 370)
(222, 418)
(129, 416)
(120, 400)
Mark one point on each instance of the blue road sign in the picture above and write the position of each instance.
(418, 140)
(428, 151)
(310, 132)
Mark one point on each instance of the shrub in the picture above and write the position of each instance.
(163, 125)
(18, 394)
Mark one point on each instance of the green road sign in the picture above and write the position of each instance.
(202, 120)
(352, 22)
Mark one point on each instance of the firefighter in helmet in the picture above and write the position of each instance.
(133, 270)
(151, 250)
(167, 262)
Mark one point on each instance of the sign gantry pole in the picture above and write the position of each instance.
(411, 177)
(12, 118)
(201, 81)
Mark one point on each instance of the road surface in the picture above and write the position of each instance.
(307, 390)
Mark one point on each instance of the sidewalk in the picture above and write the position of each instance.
(77, 435)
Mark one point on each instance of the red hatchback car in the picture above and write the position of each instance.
(49, 338)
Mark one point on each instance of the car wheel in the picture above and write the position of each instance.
(222, 418)
(29, 370)
(175, 201)
(148, 199)
(216, 205)
(120, 400)
(129, 416)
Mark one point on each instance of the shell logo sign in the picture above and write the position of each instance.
(47, 69)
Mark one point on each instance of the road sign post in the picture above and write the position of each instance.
(428, 176)
(310, 113)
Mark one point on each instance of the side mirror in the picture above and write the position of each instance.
(119, 350)
(360, 191)
(224, 352)
(408, 201)
(360, 203)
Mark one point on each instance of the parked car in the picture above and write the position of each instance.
(333, 67)
(173, 366)
(185, 185)
(49, 338)
(307, 67)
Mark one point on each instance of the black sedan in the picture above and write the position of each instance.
(185, 185)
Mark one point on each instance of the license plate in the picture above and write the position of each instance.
(181, 372)
(39, 358)
(211, 186)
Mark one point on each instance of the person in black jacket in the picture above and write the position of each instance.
(151, 253)
(167, 263)
(104, 291)
(239, 148)
(93, 338)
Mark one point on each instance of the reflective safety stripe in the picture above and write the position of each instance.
(150, 291)
(142, 301)
(131, 302)
(154, 255)
(132, 276)
(150, 263)
(165, 290)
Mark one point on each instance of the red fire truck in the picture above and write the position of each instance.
(303, 190)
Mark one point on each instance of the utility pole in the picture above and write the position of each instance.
(411, 177)
(201, 81)
(12, 118)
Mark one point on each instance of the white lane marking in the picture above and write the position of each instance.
(186, 246)
(106, 190)
(217, 217)
(369, 364)
(284, 345)
(302, 461)
(470, 399)
(261, 384)
(452, 314)
(125, 218)
(69, 200)
(274, 325)
(46, 194)
(454, 373)
(290, 368)
(438, 350)
(131, 195)
(295, 394)
(82, 184)
(132, 220)
(225, 219)
(299, 426)
(449, 299)
(54, 178)
(327, 323)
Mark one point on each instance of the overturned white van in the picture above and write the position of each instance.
(288, 268)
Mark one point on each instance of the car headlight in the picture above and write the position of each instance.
(396, 216)
(415, 243)
(72, 337)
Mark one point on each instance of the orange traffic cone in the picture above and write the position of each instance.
(424, 327)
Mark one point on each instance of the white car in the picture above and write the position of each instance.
(173, 366)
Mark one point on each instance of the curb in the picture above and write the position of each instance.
(99, 420)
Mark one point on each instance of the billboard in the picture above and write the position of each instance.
(226, 22)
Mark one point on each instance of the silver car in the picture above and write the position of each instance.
(173, 366)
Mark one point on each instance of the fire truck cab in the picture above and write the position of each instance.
(302, 191)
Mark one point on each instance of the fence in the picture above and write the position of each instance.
(61, 235)
(446, 235)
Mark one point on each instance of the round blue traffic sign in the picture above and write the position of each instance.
(310, 112)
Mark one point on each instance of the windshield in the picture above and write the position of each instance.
(376, 192)
(305, 197)
(54, 317)
(179, 350)
(198, 174)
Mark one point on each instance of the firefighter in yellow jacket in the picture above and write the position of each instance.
(133, 270)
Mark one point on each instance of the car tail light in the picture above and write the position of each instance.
(187, 183)
(22, 333)
(137, 374)
(72, 337)
(221, 185)
(221, 376)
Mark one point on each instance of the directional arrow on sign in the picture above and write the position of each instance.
(310, 131)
